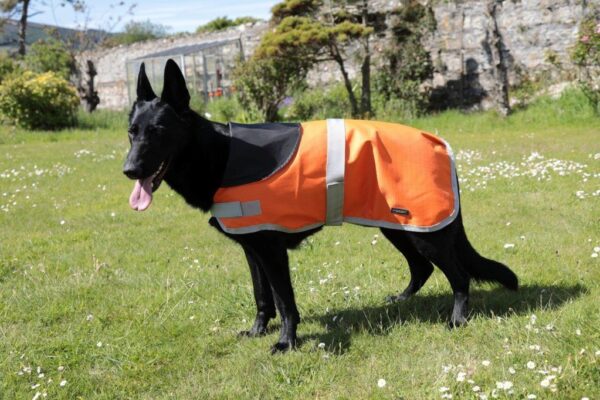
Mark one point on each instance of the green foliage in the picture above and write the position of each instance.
(38, 101)
(320, 103)
(263, 83)
(587, 50)
(308, 37)
(552, 58)
(400, 109)
(137, 31)
(8, 66)
(408, 65)
(289, 8)
(50, 55)
(221, 23)
(529, 87)
(197, 103)
(586, 54)
(295, 36)
(225, 109)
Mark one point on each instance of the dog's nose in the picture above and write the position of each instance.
(132, 171)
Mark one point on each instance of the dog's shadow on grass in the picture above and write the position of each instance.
(341, 325)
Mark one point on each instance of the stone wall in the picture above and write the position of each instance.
(530, 30)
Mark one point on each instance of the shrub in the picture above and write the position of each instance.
(586, 55)
(264, 82)
(50, 55)
(197, 103)
(396, 109)
(407, 64)
(8, 66)
(38, 101)
(318, 103)
(224, 109)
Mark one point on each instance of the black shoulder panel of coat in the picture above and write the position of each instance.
(258, 151)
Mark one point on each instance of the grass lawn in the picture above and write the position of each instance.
(100, 302)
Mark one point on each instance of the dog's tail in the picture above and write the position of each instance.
(481, 268)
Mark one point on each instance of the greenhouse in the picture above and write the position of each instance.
(207, 68)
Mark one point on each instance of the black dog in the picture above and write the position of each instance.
(170, 141)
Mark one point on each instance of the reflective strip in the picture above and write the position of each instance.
(336, 163)
(266, 227)
(234, 209)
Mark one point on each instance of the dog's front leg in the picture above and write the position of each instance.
(271, 253)
(263, 296)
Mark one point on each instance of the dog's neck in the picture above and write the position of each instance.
(197, 170)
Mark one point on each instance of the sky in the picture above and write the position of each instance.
(177, 15)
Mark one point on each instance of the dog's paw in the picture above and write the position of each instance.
(396, 298)
(282, 347)
(252, 333)
(457, 322)
(259, 328)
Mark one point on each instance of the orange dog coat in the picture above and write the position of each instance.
(363, 172)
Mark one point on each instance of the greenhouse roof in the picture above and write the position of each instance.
(194, 48)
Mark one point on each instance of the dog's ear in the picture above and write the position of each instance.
(175, 91)
(144, 90)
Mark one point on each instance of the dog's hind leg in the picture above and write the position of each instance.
(459, 281)
(438, 247)
(265, 306)
(270, 252)
(420, 267)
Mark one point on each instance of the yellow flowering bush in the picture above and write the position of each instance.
(38, 101)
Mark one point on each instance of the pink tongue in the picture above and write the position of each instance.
(141, 196)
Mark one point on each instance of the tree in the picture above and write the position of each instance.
(309, 29)
(137, 31)
(221, 23)
(15, 7)
(11, 8)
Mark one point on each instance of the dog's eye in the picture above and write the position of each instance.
(133, 130)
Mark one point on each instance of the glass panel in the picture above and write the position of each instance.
(157, 74)
(133, 68)
(208, 72)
